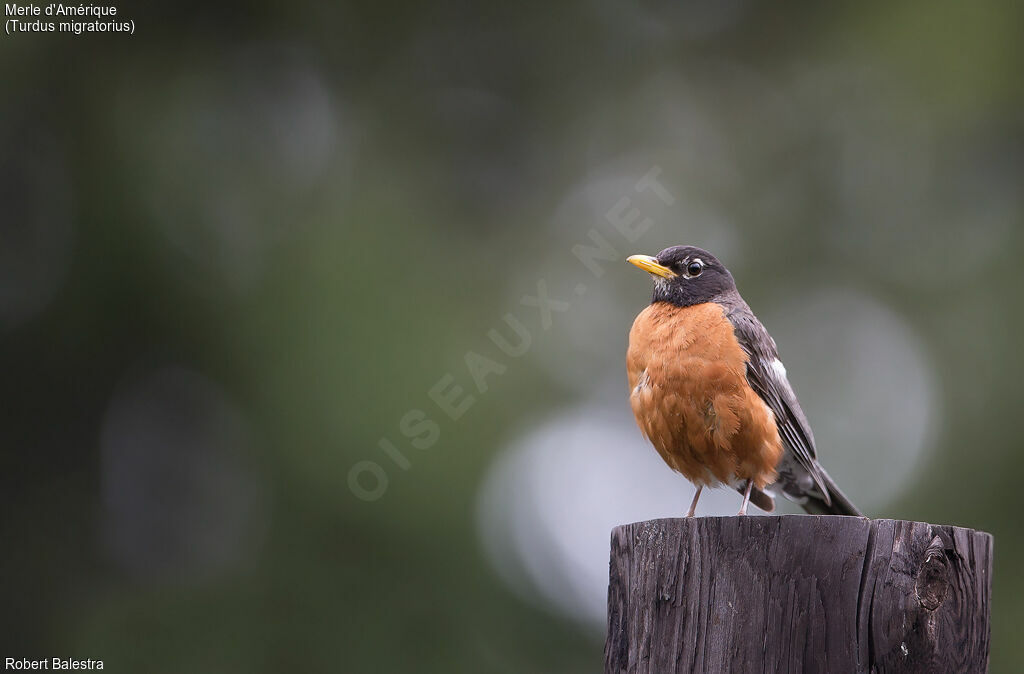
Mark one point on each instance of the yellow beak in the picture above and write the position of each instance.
(650, 265)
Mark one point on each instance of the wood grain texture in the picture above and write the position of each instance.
(797, 593)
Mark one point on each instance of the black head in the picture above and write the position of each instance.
(685, 275)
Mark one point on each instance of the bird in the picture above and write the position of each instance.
(709, 391)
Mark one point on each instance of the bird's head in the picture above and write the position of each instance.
(685, 275)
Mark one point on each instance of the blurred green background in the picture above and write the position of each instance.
(239, 246)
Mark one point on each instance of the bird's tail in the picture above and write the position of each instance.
(841, 505)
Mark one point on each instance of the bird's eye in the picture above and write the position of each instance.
(694, 268)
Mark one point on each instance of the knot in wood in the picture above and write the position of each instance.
(933, 576)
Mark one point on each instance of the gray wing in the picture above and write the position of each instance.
(767, 376)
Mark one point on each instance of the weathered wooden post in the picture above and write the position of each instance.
(797, 593)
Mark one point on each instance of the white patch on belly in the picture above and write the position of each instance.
(779, 368)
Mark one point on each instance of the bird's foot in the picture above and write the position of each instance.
(746, 497)
(693, 504)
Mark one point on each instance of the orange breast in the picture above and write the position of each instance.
(689, 393)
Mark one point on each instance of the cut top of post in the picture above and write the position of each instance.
(797, 593)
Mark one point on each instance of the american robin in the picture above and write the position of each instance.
(710, 393)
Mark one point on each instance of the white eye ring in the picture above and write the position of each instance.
(691, 263)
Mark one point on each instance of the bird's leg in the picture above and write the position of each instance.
(746, 498)
(693, 504)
